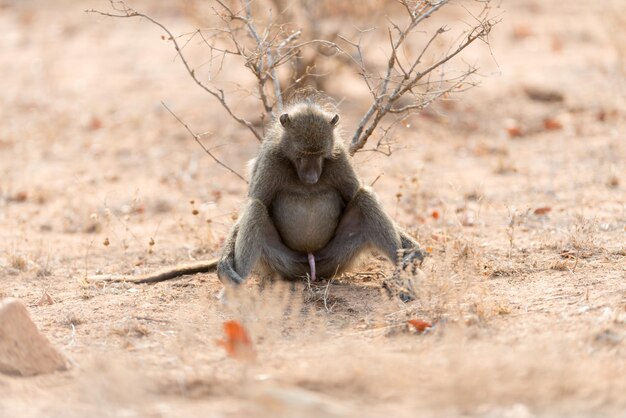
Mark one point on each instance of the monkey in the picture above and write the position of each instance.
(306, 207)
(306, 212)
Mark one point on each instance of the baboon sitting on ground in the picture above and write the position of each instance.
(307, 212)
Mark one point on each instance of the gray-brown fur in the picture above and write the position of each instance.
(162, 275)
(305, 197)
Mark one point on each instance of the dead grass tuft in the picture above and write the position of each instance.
(18, 262)
(72, 319)
(582, 240)
(131, 328)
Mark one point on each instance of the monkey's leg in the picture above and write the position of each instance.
(364, 224)
(255, 238)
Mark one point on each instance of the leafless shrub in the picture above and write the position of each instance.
(282, 45)
(582, 240)
(516, 218)
(18, 262)
(130, 328)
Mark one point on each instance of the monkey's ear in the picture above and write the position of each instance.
(334, 120)
(284, 119)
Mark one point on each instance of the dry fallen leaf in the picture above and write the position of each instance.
(20, 197)
(513, 128)
(514, 131)
(420, 325)
(542, 210)
(435, 214)
(556, 43)
(45, 299)
(522, 31)
(95, 123)
(551, 124)
(237, 342)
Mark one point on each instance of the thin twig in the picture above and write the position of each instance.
(217, 93)
(405, 79)
(326, 295)
(197, 139)
(268, 45)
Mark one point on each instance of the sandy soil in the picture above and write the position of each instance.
(530, 308)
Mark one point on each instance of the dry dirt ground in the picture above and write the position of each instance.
(529, 308)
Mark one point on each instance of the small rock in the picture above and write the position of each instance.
(24, 350)
(544, 94)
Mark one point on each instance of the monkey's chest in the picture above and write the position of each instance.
(307, 222)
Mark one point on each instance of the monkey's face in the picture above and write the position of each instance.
(308, 140)
(309, 168)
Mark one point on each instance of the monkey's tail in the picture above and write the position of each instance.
(163, 275)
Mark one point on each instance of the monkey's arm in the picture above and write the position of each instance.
(343, 177)
(363, 224)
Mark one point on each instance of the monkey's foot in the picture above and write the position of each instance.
(400, 287)
(414, 258)
(311, 258)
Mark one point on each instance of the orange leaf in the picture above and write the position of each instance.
(513, 128)
(543, 210)
(237, 342)
(420, 325)
(95, 123)
(550, 124)
(435, 215)
(20, 197)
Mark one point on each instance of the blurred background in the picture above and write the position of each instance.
(515, 186)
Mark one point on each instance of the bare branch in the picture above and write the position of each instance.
(196, 137)
(287, 50)
(399, 81)
(217, 93)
